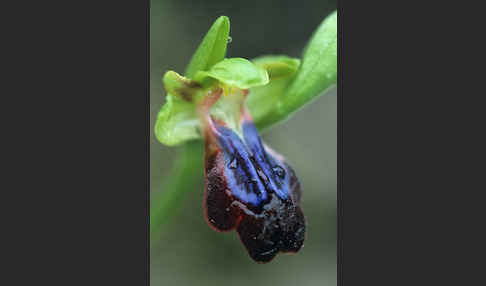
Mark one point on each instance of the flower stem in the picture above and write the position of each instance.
(186, 175)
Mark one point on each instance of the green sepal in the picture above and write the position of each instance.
(177, 121)
(212, 48)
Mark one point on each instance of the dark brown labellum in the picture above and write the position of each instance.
(250, 188)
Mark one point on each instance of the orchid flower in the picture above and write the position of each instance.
(248, 187)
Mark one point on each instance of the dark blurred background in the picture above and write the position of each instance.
(191, 253)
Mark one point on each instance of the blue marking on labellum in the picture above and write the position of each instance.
(242, 180)
(265, 160)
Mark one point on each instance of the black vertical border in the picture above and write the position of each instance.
(339, 197)
(405, 131)
(84, 114)
(147, 142)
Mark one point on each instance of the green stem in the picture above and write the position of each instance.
(187, 174)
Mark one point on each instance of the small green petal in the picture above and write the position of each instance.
(180, 86)
(212, 48)
(237, 72)
(278, 66)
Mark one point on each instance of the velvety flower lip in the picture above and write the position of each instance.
(251, 188)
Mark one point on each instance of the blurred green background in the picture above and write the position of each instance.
(191, 253)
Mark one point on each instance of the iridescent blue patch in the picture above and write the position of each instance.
(250, 171)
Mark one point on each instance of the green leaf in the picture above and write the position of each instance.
(317, 73)
(212, 48)
(237, 72)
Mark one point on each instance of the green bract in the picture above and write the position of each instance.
(278, 85)
(317, 73)
(319, 67)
